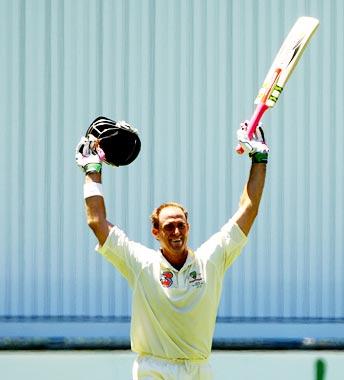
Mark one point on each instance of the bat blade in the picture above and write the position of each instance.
(286, 60)
(282, 67)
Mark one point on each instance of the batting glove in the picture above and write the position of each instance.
(256, 147)
(89, 155)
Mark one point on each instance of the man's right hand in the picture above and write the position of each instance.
(88, 155)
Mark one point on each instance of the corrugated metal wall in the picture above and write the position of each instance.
(185, 74)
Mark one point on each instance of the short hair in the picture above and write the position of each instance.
(156, 212)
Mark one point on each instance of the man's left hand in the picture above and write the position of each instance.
(256, 147)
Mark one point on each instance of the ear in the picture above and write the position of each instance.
(155, 233)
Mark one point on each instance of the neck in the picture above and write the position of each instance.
(176, 260)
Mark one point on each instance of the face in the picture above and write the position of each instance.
(173, 230)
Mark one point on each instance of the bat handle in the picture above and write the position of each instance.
(253, 123)
(255, 119)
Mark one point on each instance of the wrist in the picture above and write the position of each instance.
(93, 168)
(93, 177)
(259, 158)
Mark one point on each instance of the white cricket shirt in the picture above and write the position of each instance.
(174, 312)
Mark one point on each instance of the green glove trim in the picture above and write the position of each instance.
(93, 168)
(259, 158)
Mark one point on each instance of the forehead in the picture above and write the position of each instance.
(171, 213)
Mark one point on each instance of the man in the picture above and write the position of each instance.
(176, 292)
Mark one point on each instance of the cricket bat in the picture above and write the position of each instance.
(281, 69)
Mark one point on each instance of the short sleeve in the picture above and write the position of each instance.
(127, 256)
(223, 247)
(233, 241)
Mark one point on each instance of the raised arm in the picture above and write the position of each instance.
(253, 190)
(114, 142)
(88, 159)
(95, 207)
(250, 198)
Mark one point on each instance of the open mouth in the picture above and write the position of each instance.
(176, 242)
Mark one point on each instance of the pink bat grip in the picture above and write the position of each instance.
(253, 123)
(255, 119)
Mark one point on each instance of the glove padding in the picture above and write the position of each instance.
(117, 139)
(256, 148)
(88, 154)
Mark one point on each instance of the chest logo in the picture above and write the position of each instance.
(166, 279)
(195, 279)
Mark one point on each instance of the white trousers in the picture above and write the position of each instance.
(152, 368)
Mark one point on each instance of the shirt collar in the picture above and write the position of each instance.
(189, 260)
